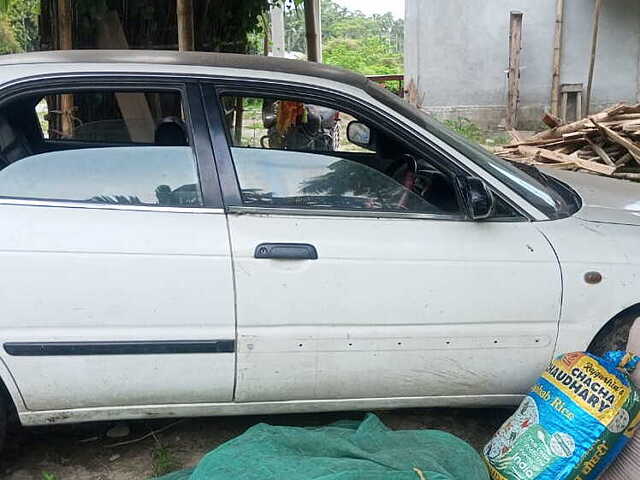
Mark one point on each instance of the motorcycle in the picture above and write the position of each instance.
(298, 126)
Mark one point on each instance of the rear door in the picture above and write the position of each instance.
(117, 284)
(351, 285)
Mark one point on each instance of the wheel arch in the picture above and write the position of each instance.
(614, 330)
(9, 392)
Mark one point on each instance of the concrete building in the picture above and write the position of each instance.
(457, 55)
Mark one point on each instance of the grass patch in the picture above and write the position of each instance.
(467, 129)
(48, 476)
(471, 131)
(163, 461)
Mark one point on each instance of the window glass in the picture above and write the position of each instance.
(108, 116)
(301, 180)
(292, 154)
(123, 148)
(281, 124)
(161, 176)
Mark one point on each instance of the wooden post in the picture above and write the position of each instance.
(638, 90)
(277, 32)
(237, 133)
(133, 105)
(311, 20)
(594, 50)
(184, 9)
(65, 42)
(557, 58)
(515, 47)
(267, 34)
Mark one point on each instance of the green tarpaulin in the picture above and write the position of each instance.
(365, 450)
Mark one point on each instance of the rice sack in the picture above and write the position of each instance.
(577, 418)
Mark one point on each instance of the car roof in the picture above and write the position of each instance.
(222, 61)
(202, 59)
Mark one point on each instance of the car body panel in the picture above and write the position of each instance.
(301, 344)
(47, 417)
(405, 306)
(582, 247)
(605, 200)
(95, 275)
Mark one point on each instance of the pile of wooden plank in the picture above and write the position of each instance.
(607, 143)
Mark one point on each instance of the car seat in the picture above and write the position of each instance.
(171, 132)
(13, 144)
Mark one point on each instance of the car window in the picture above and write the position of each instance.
(302, 180)
(293, 154)
(117, 148)
(108, 116)
(124, 176)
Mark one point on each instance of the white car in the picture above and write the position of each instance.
(206, 234)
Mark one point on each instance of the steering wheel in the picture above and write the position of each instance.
(404, 171)
(398, 169)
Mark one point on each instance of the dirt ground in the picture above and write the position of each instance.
(83, 452)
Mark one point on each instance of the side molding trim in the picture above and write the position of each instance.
(47, 349)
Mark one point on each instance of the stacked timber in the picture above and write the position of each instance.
(607, 143)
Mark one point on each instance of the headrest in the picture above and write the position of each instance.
(171, 131)
(7, 135)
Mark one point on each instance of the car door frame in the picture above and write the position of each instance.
(210, 193)
(212, 92)
(187, 86)
(213, 89)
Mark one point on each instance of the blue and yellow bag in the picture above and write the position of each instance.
(577, 418)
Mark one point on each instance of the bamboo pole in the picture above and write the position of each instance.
(311, 19)
(65, 42)
(184, 11)
(557, 58)
(594, 50)
(515, 47)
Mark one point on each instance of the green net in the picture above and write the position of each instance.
(341, 451)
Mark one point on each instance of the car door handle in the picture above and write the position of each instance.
(286, 251)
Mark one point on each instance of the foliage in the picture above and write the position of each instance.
(23, 17)
(18, 25)
(466, 128)
(370, 55)
(220, 25)
(48, 476)
(370, 44)
(163, 461)
(8, 43)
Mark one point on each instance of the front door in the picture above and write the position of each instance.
(117, 284)
(358, 276)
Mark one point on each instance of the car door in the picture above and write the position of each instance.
(117, 283)
(344, 294)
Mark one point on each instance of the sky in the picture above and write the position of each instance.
(375, 6)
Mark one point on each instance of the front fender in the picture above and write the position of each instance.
(582, 247)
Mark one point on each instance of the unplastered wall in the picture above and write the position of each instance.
(457, 54)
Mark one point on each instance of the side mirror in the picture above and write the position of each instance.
(359, 134)
(477, 197)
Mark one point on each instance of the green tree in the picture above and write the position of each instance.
(8, 43)
(370, 56)
(18, 25)
(370, 44)
(23, 18)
